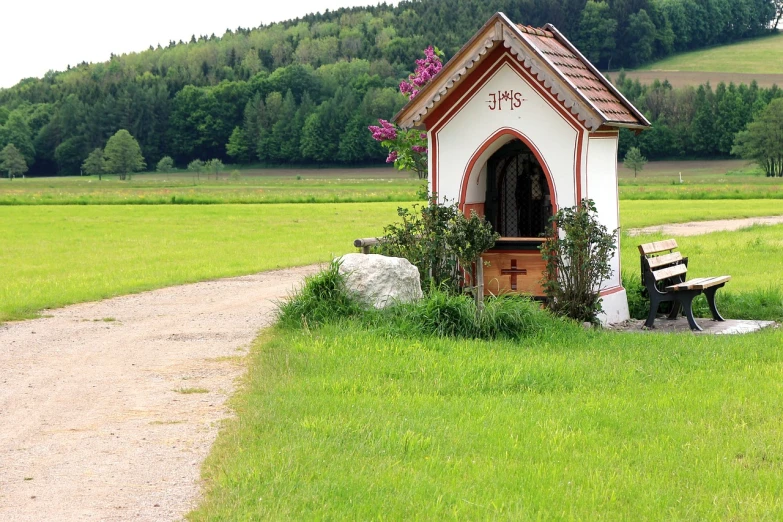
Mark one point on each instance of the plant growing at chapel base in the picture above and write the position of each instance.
(408, 147)
(436, 237)
(468, 238)
(577, 262)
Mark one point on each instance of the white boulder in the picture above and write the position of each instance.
(381, 281)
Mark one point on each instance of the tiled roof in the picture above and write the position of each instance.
(550, 57)
(573, 69)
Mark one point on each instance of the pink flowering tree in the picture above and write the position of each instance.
(408, 147)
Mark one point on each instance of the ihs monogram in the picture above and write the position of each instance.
(510, 98)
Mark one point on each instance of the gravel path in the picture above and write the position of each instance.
(109, 408)
(696, 228)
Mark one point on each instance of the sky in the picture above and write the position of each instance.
(38, 36)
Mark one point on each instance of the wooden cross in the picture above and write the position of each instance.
(514, 272)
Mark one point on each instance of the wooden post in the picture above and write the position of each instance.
(478, 285)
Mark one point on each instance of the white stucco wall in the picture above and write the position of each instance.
(468, 130)
(601, 181)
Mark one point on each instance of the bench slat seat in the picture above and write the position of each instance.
(668, 273)
(663, 273)
(701, 283)
(666, 259)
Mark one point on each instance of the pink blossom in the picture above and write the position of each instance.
(420, 149)
(387, 131)
(423, 135)
(426, 69)
(392, 157)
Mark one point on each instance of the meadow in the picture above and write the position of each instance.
(57, 255)
(63, 254)
(722, 179)
(758, 55)
(183, 188)
(759, 59)
(348, 421)
(352, 420)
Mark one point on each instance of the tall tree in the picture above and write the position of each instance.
(762, 140)
(17, 131)
(634, 160)
(595, 33)
(12, 161)
(123, 155)
(94, 164)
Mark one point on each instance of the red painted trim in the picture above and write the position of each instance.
(578, 166)
(446, 111)
(434, 154)
(604, 134)
(611, 291)
(483, 148)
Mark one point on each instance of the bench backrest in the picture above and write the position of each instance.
(661, 260)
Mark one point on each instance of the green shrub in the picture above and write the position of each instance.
(322, 299)
(638, 302)
(435, 238)
(577, 262)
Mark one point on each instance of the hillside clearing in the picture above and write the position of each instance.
(757, 56)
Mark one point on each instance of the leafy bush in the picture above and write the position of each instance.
(577, 262)
(638, 303)
(435, 237)
(166, 164)
(322, 299)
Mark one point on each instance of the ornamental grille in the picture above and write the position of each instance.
(524, 203)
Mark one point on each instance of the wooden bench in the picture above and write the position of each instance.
(663, 273)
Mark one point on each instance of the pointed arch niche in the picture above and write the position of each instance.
(508, 182)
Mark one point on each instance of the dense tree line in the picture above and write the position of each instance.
(305, 90)
(692, 122)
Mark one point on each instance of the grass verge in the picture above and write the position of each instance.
(343, 422)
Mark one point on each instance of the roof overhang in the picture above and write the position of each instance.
(520, 42)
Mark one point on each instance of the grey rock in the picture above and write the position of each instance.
(381, 281)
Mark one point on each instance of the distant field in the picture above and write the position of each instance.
(727, 179)
(695, 78)
(57, 255)
(722, 179)
(760, 59)
(255, 186)
(758, 56)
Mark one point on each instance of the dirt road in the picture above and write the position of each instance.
(108, 409)
(696, 228)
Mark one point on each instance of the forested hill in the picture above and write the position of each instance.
(305, 90)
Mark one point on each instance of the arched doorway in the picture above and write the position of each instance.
(518, 202)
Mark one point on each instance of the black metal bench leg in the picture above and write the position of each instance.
(653, 311)
(710, 294)
(687, 308)
(675, 310)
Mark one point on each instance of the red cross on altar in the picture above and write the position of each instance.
(513, 272)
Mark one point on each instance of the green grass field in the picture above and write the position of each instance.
(66, 254)
(726, 179)
(255, 186)
(722, 179)
(57, 255)
(642, 213)
(343, 423)
(760, 55)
